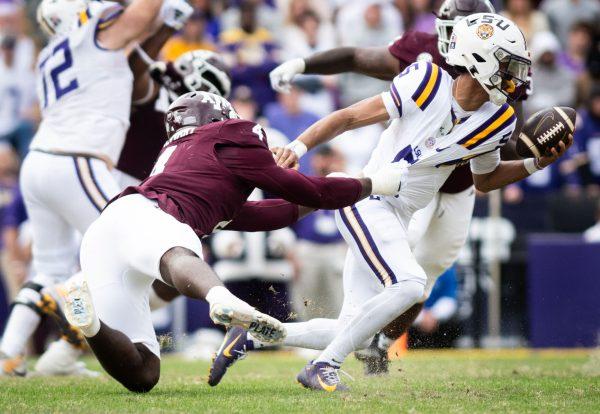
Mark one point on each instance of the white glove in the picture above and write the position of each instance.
(282, 76)
(175, 13)
(389, 179)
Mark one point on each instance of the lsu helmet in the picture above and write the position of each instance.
(450, 12)
(59, 17)
(195, 109)
(493, 50)
(198, 70)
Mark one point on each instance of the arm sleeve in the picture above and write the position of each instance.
(264, 215)
(256, 166)
(412, 89)
(485, 163)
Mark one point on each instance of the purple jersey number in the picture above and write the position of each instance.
(55, 72)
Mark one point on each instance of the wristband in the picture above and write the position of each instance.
(298, 147)
(531, 165)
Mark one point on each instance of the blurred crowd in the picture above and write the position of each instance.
(255, 36)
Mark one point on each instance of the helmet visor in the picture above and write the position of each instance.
(512, 73)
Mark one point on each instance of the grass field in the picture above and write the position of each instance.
(426, 381)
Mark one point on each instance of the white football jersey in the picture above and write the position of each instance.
(84, 90)
(426, 134)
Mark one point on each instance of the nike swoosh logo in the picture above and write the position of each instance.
(328, 388)
(227, 351)
(441, 149)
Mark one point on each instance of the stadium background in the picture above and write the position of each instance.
(529, 273)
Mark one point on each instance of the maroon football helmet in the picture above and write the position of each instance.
(195, 109)
(450, 12)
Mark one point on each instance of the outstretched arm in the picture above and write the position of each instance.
(130, 25)
(267, 215)
(508, 172)
(376, 62)
(366, 112)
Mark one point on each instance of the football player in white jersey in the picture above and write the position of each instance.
(84, 87)
(437, 124)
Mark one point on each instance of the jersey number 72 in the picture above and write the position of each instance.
(51, 69)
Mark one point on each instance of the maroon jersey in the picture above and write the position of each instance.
(409, 48)
(145, 138)
(204, 175)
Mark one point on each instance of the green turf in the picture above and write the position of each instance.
(440, 382)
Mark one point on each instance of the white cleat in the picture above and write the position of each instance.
(263, 327)
(61, 359)
(78, 305)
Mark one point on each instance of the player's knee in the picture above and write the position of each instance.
(411, 290)
(144, 382)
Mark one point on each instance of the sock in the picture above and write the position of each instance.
(312, 334)
(220, 294)
(92, 329)
(372, 316)
(23, 321)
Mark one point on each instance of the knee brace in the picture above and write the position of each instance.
(33, 296)
(29, 295)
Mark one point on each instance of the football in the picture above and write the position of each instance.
(544, 130)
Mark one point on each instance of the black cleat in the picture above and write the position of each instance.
(374, 358)
(232, 350)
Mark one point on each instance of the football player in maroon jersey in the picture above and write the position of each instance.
(210, 164)
(438, 232)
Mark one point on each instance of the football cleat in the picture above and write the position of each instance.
(374, 359)
(262, 327)
(12, 367)
(78, 305)
(232, 350)
(321, 376)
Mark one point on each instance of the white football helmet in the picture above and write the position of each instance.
(493, 50)
(59, 17)
(450, 12)
(203, 70)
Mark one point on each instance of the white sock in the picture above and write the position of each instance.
(93, 328)
(312, 334)
(220, 294)
(23, 321)
(372, 316)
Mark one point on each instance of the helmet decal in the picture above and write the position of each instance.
(485, 31)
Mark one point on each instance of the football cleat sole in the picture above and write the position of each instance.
(263, 327)
(79, 308)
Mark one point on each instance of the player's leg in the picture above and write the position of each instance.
(89, 185)
(438, 247)
(312, 334)
(375, 357)
(374, 233)
(132, 244)
(54, 255)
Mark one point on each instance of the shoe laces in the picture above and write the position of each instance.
(241, 353)
(331, 374)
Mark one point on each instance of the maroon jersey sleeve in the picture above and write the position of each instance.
(264, 215)
(413, 46)
(255, 166)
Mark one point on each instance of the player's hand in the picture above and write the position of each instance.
(285, 157)
(389, 179)
(282, 76)
(175, 13)
(555, 153)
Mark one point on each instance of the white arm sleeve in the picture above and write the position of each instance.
(485, 163)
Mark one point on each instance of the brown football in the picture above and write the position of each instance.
(544, 130)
